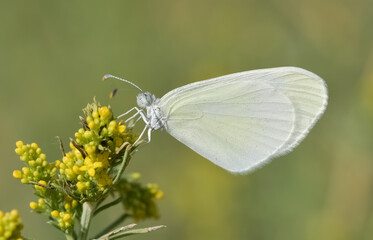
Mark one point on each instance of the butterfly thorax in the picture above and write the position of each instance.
(149, 102)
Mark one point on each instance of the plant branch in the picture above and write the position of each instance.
(111, 226)
(110, 204)
(135, 231)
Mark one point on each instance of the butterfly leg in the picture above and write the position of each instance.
(139, 111)
(142, 133)
(149, 134)
(138, 119)
(124, 114)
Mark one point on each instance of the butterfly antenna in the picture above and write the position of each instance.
(121, 79)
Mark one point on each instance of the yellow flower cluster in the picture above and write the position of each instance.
(37, 167)
(88, 164)
(85, 173)
(10, 226)
(65, 218)
(139, 201)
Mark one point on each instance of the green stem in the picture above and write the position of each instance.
(124, 164)
(69, 237)
(110, 204)
(88, 210)
(111, 226)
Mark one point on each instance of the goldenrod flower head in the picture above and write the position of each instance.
(64, 216)
(10, 225)
(94, 153)
(139, 200)
(85, 172)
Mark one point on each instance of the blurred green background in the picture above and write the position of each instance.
(54, 53)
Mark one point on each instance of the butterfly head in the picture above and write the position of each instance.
(145, 99)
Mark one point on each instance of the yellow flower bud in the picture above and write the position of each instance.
(42, 182)
(65, 159)
(76, 169)
(122, 128)
(19, 144)
(88, 134)
(17, 174)
(91, 172)
(83, 168)
(87, 161)
(33, 205)
(104, 131)
(66, 217)
(112, 124)
(159, 194)
(62, 166)
(97, 165)
(74, 203)
(95, 114)
(80, 185)
(77, 135)
(69, 172)
(57, 162)
(89, 119)
(43, 156)
(18, 151)
(104, 112)
(55, 213)
(67, 206)
(90, 149)
(34, 146)
(41, 202)
(91, 125)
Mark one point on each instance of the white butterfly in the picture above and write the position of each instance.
(242, 120)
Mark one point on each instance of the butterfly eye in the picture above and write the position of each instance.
(143, 100)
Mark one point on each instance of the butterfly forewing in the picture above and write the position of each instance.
(240, 121)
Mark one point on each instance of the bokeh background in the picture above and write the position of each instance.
(54, 53)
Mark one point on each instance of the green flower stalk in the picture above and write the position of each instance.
(74, 188)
